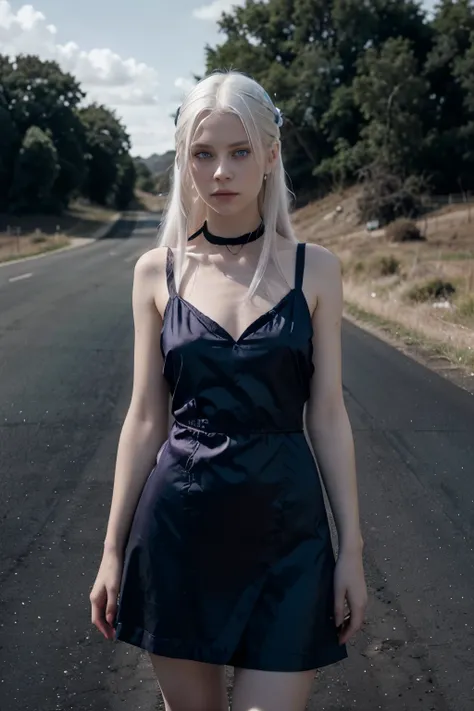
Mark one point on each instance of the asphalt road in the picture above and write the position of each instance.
(65, 383)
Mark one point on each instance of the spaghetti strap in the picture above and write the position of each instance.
(170, 273)
(299, 267)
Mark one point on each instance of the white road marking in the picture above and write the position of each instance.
(22, 276)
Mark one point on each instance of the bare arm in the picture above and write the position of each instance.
(145, 426)
(327, 423)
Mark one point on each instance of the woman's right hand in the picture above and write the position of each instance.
(104, 593)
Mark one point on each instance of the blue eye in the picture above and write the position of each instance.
(240, 153)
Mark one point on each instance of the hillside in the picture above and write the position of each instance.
(158, 164)
(422, 292)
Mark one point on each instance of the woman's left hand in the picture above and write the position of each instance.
(349, 585)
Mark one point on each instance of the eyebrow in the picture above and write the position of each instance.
(244, 142)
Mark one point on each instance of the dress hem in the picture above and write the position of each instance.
(212, 654)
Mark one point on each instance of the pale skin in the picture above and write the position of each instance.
(188, 685)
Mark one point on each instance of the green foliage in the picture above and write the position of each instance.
(125, 183)
(38, 93)
(36, 170)
(145, 180)
(362, 83)
(52, 150)
(9, 146)
(432, 290)
(106, 143)
(390, 95)
(370, 90)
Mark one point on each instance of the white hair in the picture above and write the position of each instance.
(185, 211)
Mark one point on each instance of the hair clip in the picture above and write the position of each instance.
(278, 117)
(177, 116)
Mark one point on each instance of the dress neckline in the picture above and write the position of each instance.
(214, 327)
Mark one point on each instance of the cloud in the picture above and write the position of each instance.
(214, 10)
(130, 86)
(185, 85)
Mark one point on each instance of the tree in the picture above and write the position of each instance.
(85, 149)
(390, 94)
(306, 54)
(447, 68)
(38, 93)
(125, 184)
(9, 146)
(106, 145)
(36, 170)
(145, 180)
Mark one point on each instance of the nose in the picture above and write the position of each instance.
(222, 170)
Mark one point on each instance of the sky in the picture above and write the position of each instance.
(137, 58)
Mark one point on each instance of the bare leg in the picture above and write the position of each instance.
(190, 686)
(256, 690)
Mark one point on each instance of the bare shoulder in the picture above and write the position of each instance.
(321, 261)
(323, 277)
(151, 263)
(149, 279)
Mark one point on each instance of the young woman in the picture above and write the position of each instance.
(218, 547)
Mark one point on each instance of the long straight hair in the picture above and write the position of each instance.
(185, 211)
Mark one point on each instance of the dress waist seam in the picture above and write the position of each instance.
(202, 430)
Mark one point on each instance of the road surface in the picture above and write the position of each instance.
(66, 364)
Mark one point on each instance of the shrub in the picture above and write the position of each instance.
(431, 291)
(385, 265)
(387, 195)
(403, 230)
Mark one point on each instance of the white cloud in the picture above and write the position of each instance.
(130, 86)
(184, 85)
(214, 10)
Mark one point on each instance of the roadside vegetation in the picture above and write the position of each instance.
(378, 98)
(378, 135)
(414, 280)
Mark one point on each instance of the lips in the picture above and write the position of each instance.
(223, 193)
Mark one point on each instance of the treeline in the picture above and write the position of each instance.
(371, 90)
(52, 147)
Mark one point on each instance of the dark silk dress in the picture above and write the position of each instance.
(229, 557)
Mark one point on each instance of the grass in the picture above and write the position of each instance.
(30, 245)
(149, 202)
(28, 235)
(380, 275)
(413, 337)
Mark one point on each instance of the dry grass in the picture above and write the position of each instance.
(17, 247)
(379, 274)
(149, 202)
(27, 235)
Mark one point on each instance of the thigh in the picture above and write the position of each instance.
(190, 686)
(256, 690)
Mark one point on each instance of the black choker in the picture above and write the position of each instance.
(224, 241)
